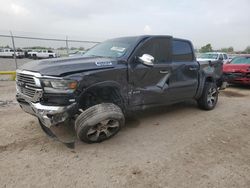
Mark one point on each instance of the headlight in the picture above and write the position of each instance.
(59, 86)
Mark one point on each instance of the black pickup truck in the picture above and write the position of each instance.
(114, 78)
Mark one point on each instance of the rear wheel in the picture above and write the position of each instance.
(209, 97)
(99, 122)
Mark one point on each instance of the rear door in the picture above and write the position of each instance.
(44, 53)
(10, 53)
(183, 81)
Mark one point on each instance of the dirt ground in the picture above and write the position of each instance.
(175, 146)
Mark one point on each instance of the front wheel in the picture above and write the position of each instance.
(209, 97)
(99, 122)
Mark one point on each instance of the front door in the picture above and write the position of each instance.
(150, 84)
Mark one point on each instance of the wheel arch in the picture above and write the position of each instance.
(205, 79)
(107, 91)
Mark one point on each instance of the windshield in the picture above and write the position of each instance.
(112, 48)
(241, 60)
(208, 56)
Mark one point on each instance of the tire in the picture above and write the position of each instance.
(209, 97)
(99, 123)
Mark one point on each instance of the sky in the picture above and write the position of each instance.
(222, 23)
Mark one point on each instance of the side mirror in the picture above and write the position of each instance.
(147, 59)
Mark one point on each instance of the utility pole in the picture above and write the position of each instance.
(14, 48)
(67, 45)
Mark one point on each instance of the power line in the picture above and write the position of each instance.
(50, 39)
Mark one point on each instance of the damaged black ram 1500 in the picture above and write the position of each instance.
(113, 78)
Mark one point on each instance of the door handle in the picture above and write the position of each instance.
(193, 68)
(164, 72)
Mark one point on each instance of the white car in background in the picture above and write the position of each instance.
(7, 52)
(42, 54)
(213, 56)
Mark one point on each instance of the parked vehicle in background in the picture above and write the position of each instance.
(114, 78)
(42, 54)
(20, 53)
(238, 71)
(26, 51)
(32, 53)
(231, 56)
(7, 52)
(77, 53)
(213, 56)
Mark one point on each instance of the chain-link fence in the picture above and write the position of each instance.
(15, 50)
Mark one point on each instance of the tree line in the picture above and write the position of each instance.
(209, 48)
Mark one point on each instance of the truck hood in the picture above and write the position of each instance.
(69, 65)
(236, 68)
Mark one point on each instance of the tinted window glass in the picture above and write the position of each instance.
(159, 48)
(225, 56)
(241, 60)
(182, 51)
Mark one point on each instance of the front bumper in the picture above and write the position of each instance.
(240, 78)
(245, 81)
(48, 115)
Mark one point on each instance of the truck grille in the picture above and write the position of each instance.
(28, 92)
(26, 85)
(28, 79)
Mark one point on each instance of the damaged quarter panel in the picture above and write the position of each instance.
(209, 71)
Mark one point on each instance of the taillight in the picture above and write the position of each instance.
(248, 69)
